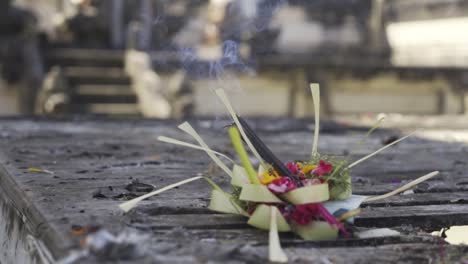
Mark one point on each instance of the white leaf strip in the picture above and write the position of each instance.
(380, 150)
(315, 89)
(275, 252)
(214, 185)
(127, 206)
(187, 128)
(374, 127)
(186, 144)
(403, 188)
(222, 96)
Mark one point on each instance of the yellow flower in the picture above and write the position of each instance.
(308, 168)
(269, 176)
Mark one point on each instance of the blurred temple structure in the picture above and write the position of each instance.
(163, 58)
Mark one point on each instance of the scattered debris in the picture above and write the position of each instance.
(105, 246)
(79, 230)
(126, 245)
(99, 195)
(135, 189)
(125, 196)
(455, 235)
(139, 187)
(389, 140)
(39, 170)
(380, 232)
(407, 192)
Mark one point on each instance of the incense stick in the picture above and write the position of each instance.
(380, 150)
(222, 96)
(187, 128)
(267, 154)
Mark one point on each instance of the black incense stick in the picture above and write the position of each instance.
(267, 154)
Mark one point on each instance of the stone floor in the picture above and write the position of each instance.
(8, 101)
(92, 165)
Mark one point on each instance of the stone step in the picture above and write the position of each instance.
(86, 57)
(129, 109)
(96, 76)
(104, 99)
(98, 83)
(103, 94)
(103, 89)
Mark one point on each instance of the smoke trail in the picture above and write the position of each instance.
(243, 18)
(250, 15)
(230, 59)
(266, 9)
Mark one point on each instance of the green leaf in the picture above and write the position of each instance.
(224, 203)
(261, 219)
(341, 186)
(316, 231)
(258, 193)
(239, 146)
(239, 176)
(309, 194)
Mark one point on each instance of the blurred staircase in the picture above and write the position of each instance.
(94, 81)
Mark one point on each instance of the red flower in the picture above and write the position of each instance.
(293, 168)
(304, 213)
(281, 185)
(323, 168)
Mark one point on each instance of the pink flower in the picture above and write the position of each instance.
(305, 213)
(310, 182)
(281, 185)
(327, 216)
(323, 168)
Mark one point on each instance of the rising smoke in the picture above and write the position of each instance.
(243, 19)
